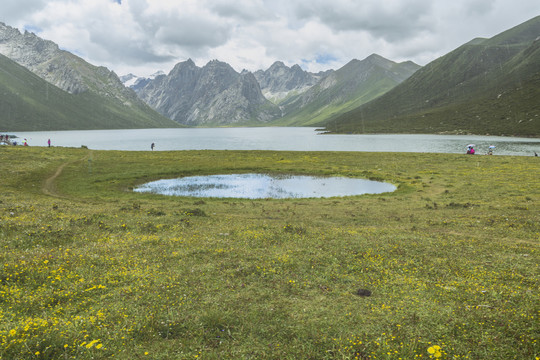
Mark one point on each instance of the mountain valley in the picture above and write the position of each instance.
(486, 86)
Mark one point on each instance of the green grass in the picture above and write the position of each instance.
(91, 270)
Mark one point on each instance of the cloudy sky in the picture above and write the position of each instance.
(143, 36)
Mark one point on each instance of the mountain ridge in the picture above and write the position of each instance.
(355, 83)
(462, 92)
(101, 87)
(29, 103)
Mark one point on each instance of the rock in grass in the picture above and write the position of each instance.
(363, 292)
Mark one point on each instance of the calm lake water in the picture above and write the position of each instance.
(263, 186)
(276, 138)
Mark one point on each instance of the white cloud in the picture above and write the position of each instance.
(390, 19)
(142, 36)
(13, 10)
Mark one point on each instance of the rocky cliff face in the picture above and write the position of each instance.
(279, 80)
(61, 68)
(213, 95)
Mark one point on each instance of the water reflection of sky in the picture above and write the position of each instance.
(262, 186)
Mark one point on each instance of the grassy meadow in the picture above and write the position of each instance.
(91, 270)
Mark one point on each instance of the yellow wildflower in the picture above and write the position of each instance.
(91, 343)
(435, 350)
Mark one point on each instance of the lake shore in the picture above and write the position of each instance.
(278, 139)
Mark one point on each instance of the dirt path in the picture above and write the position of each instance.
(49, 187)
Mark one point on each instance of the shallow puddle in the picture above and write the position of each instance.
(262, 186)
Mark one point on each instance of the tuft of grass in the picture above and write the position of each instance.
(92, 270)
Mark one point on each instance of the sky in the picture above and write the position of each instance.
(144, 36)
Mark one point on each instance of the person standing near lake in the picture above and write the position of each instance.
(49, 142)
(152, 146)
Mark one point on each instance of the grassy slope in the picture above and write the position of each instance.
(30, 103)
(325, 107)
(356, 83)
(93, 270)
(459, 92)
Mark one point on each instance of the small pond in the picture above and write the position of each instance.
(263, 186)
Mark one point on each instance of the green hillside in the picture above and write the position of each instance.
(487, 86)
(354, 84)
(29, 103)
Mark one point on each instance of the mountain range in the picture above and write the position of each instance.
(486, 86)
(213, 95)
(216, 95)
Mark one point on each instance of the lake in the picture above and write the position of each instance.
(276, 138)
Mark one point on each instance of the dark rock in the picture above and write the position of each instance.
(363, 292)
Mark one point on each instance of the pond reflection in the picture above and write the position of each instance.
(262, 186)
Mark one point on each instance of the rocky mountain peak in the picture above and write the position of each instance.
(277, 66)
(59, 67)
(212, 95)
(379, 61)
(279, 80)
(183, 67)
(43, 57)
